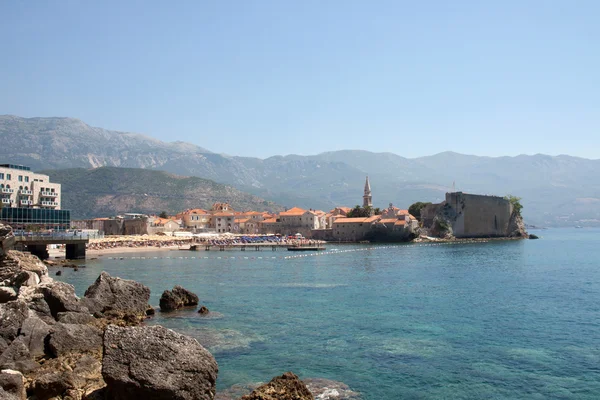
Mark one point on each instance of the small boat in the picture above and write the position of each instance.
(305, 248)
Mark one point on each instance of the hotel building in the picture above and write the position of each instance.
(28, 198)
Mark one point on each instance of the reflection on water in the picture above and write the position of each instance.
(502, 320)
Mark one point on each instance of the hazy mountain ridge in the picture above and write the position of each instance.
(551, 186)
(107, 191)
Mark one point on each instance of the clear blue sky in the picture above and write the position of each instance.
(260, 78)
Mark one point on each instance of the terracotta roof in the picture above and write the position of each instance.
(400, 222)
(223, 214)
(346, 220)
(293, 212)
(373, 218)
(388, 220)
(161, 221)
(270, 221)
(242, 220)
(101, 219)
(402, 212)
(195, 211)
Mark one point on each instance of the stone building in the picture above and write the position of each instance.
(196, 219)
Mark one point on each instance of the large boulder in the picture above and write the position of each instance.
(34, 332)
(61, 297)
(109, 293)
(12, 315)
(177, 298)
(74, 338)
(12, 385)
(17, 357)
(155, 363)
(285, 387)
(53, 385)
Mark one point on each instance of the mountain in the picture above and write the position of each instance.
(556, 191)
(107, 191)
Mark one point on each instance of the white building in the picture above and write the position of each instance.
(22, 188)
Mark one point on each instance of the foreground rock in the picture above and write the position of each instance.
(12, 385)
(177, 298)
(285, 387)
(74, 338)
(156, 363)
(117, 296)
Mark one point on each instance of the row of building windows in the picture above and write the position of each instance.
(21, 218)
(21, 178)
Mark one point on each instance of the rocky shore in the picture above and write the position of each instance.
(55, 345)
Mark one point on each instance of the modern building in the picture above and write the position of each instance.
(22, 188)
(29, 201)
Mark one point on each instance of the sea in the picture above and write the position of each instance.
(495, 320)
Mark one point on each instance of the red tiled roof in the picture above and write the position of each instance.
(223, 214)
(388, 220)
(345, 220)
(400, 222)
(270, 221)
(293, 212)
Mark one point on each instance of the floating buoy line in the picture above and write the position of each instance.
(315, 254)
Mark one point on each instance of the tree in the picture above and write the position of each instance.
(362, 212)
(516, 203)
(163, 214)
(415, 209)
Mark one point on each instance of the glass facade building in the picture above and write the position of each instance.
(36, 218)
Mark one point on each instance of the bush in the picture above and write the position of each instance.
(516, 203)
(415, 209)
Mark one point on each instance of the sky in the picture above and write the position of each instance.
(260, 78)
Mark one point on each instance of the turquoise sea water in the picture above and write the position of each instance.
(500, 320)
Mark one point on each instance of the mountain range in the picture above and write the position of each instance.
(555, 190)
(107, 191)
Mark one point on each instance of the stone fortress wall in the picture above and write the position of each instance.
(479, 215)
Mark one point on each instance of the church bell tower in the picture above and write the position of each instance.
(367, 198)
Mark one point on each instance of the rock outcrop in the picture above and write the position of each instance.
(116, 295)
(156, 363)
(285, 387)
(177, 298)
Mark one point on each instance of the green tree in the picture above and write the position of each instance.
(163, 214)
(415, 209)
(362, 212)
(516, 203)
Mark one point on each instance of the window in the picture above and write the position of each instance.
(26, 179)
(8, 177)
(1, 175)
(20, 178)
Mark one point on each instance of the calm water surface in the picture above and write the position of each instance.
(503, 320)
